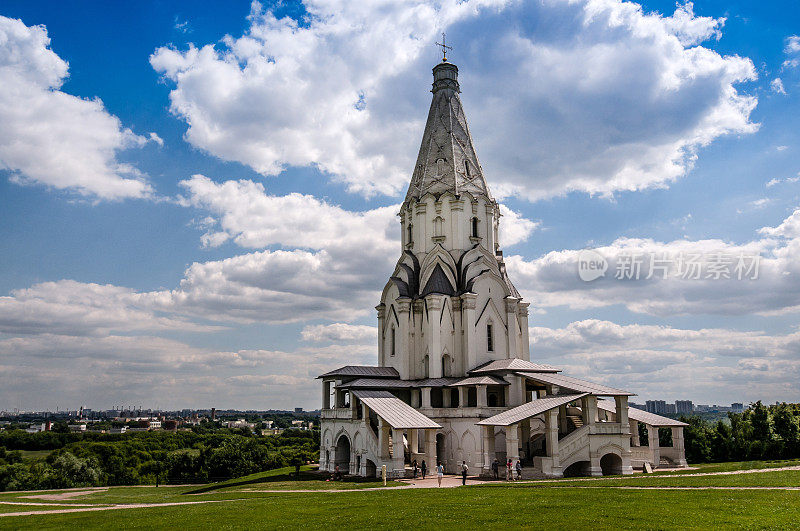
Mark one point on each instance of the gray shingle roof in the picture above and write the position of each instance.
(512, 364)
(574, 384)
(529, 409)
(363, 370)
(394, 411)
(480, 380)
(377, 382)
(642, 416)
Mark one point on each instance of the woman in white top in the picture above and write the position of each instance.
(440, 473)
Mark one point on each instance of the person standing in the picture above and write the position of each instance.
(440, 473)
(464, 470)
(519, 469)
(508, 470)
(496, 468)
(414, 464)
(424, 469)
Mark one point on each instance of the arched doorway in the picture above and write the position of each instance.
(440, 448)
(611, 464)
(577, 469)
(342, 455)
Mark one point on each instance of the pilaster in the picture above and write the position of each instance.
(470, 354)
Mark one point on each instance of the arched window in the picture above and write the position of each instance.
(474, 227)
(410, 236)
(425, 367)
(466, 167)
(489, 338)
(440, 167)
(394, 343)
(446, 365)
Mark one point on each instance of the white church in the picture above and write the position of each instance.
(454, 380)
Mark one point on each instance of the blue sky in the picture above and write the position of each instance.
(599, 124)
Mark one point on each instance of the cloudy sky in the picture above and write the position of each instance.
(198, 201)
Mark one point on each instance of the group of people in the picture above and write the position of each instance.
(439, 471)
(510, 467)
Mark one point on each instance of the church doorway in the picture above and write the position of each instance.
(611, 464)
(440, 445)
(342, 455)
(577, 469)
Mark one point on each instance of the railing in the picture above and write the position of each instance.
(340, 413)
(573, 442)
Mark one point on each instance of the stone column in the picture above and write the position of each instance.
(488, 449)
(470, 354)
(512, 442)
(446, 397)
(326, 394)
(381, 340)
(513, 326)
(652, 440)
(523, 324)
(677, 443)
(516, 391)
(562, 419)
(482, 399)
(383, 441)
(416, 401)
(413, 443)
(551, 439)
(426, 397)
(635, 440)
(462, 396)
(430, 450)
(403, 351)
(398, 451)
(589, 409)
(622, 409)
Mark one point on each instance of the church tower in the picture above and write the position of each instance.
(449, 305)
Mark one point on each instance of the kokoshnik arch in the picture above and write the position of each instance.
(454, 380)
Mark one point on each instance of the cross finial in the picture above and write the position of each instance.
(443, 45)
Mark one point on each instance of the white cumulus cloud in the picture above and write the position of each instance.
(601, 98)
(52, 138)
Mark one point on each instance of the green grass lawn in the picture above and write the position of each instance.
(470, 507)
(554, 504)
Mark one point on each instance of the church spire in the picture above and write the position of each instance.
(447, 161)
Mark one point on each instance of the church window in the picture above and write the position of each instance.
(394, 342)
(474, 227)
(437, 226)
(440, 167)
(466, 167)
(410, 236)
(446, 365)
(489, 338)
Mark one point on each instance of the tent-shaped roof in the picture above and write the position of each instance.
(650, 419)
(363, 371)
(394, 411)
(574, 384)
(529, 409)
(512, 364)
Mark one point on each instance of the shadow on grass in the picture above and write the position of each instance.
(305, 475)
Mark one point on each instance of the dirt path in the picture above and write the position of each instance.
(84, 509)
(65, 495)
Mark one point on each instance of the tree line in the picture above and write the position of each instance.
(760, 432)
(93, 459)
